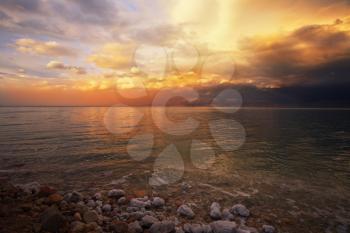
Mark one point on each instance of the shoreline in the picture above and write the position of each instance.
(288, 207)
(44, 209)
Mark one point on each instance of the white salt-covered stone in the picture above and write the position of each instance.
(185, 211)
(215, 211)
(116, 193)
(158, 202)
(240, 210)
(107, 208)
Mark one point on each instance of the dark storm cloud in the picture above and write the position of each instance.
(310, 55)
(309, 67)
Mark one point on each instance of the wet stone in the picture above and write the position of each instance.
(116, 193)
(77, 227)
(268, 229)
(240, 210)
(122, 201)
(139, 203)
(77, 216)
(158, 202)
(119, 227)
(55, 198)
(162, 227)
(197, 228)
(147, 221)
(135, 227)
(226, 215)
(90, 216)
(107, 208)
(223, 227)
(91, 203)
(185, 211)
(52, 220)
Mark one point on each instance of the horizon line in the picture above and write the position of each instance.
(174, 106)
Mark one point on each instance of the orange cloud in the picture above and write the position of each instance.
(113, 56)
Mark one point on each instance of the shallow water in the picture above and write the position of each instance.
(274, 157)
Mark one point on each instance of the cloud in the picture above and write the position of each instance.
(113, 56)
(57, 65)
(21, 5)
(49, 48)
(310, 55)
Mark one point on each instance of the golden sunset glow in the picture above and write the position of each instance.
(85, 53)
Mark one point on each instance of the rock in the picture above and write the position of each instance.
(46, 191)
(185, 187)
(52, 220)
(245, 229)
(26, 207)
(73, 197)
(98, 210)
(187, 228)
(116, 193)
(240, 210)
(91, 226)
(55, 198)
(122, 201)
(119, 227)
(179, 230)
(36, 227)
(140, 193)
(107, 208)
(91, 203)
(185, 211)
(206, 229)
(77, 227)
(147, 221)
(77, 216)
(131, 209)
(135, 227)
(64, 205)
(197, 228)
(137, 215)
(158, 202)
(76, 197)
(241, 230)
(98, 196)
(163, 227)
(223, 227)
(90, 216)
(139, 203)
(99, 203)
(124, 216)
(226, 215)
(215, 211)
(268, 229)
(32, 188)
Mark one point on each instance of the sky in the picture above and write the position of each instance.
(104, 52)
